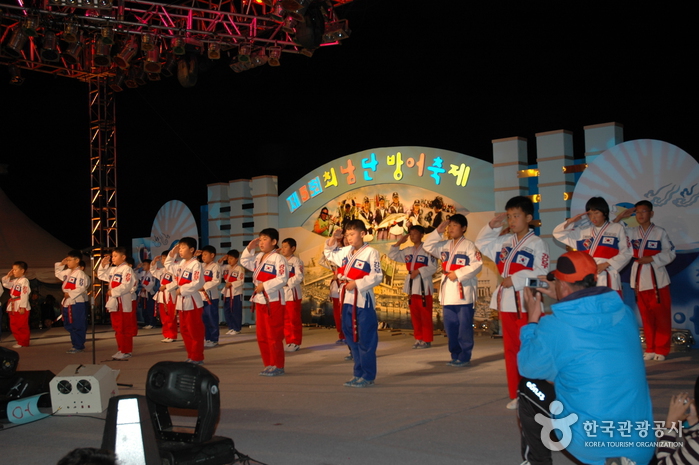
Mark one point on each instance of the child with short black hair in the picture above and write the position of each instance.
(270, 274)
(188, 274)
(234, 278)
(74, 303)
(146, 284)
(18, 304)
(116, 271)
(461, 263)
(210, 294)
(518, 254)
(293, 327)
(165, 298)
(361, 272)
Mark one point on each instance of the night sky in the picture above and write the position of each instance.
(445, 74)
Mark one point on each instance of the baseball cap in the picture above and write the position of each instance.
(574, 266)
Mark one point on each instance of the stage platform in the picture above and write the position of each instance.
(419, 412)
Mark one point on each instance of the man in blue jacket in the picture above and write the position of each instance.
(590, 349)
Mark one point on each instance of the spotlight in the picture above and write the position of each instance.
(178, 46)
(277, 13)
(8, 358)
(274, 54)
(49, 47)
(154, 77)
(107, 35)
(335, 31)
(259, 58)
(290, 5)
(239, 67)
(17, 42)
(116, 83)
(244, 53)
(147, 42)
(682, 339)
(289, 25)
(131, 80)
(72, 54)
(126, 55)
(30, 25)
(152, 61)
(101, 54)
(169, 69)
(70, 33)
(214, 51)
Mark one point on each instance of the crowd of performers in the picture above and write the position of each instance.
(190, 282)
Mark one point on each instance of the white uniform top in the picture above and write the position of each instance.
(212, 279)
(463, 258)
(75, 284)
(236, 276)
(292, 290)
(608, 243)
(168, 285)
(146, 281)
(415, 258)
(121, 283)
(518, 260)
(334, 286)
(189, 276)
(273, 272)
(654, 242)
(19, 293)
(363, 267)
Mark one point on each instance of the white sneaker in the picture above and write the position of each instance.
(659, 357)
(649, 356)
(120, 356)
(148, 327)
(512, 405)
(117, 355)
(17, 346)
(167, 339)
(210, 343)
(292, 348)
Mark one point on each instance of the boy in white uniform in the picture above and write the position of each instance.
(461, 263)
(293, 328)
(518, 255)
(361, 272)
(270, 274)
(165, 299)
(210, 294)
(418, 285)
(146, 284)
(18, 304)
(74, 303)
(189, 276)
(119, 304)
(652, 250)
(234, 278)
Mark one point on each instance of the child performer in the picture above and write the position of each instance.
(461, 263)
(74, 303)
(652, 250)
(18, 304)
(210, 294)
(234, 277)
(146, 284)
(293, 328)
(189, 277)
(165, 299)
(335, 297)
(270, 274)
(421, 266)
(119, 304)
(361, 272)
(519, 254)
(606, 242)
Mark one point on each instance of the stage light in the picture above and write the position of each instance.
(152, 61)
(154, 77)
(214, 51)
(101, 54)
(170, 65)
(17, 42)
(275, 54)
(239, 67)
(70, 33)
(8, 362)
(116, 83)
(126, 55)
(107, 35)
(129, 431)
(30, 25)
(289, 25)
(277, 13)
(178, 46)
(72, 53)
(290, 5)
(188, 70)
(147, 42)
(259, 58)
(336, 31)
(244, 53)
(186, 386)
(682, 339)
(49, 47)
(134, 77)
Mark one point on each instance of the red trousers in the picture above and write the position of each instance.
(293, 329)
(19, 325)
(270, 333)
(510, 338)
(657, 319)
(192, 329)
(124, 325)
(168, 317)
(421, 317)
(337, 316)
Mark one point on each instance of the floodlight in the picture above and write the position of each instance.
(107, 35)
(178, 46)
(49, 47)
(101, 54)
(17, 42)
(126, 55)
(31, 23)
(244, 53)
(72, 53)
(259, 58)
(170, 65)
(214, 51)
(274, 54)
(116, 82)
(152, 62)
(70, 33)
(147, 42)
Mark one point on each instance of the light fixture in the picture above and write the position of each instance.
(16, 78)
(116, 82)
(152, 62)
(72, 53)
(277, 13)
(244, 53)
(335, 31)
(70, 32)
(289, 25)
(154, 77)
(17, 42)
(8, 362)
(214, 51)
(49, 47)
(239, 67)
(129, 431)
(178, 46)
(259, 58)
(147, 42)
(101, 54)
(31, 23)
(127, 53)
(107, 35)
(275, 54)
(168, 70)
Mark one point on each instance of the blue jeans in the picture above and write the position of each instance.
(233, 312)
(364, 350)
(458, 323)
(210, 317)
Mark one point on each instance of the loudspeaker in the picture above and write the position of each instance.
(8, 362)
(83, 389)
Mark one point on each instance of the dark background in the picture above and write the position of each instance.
(445, 74)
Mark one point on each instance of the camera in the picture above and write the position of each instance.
(534, 282)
